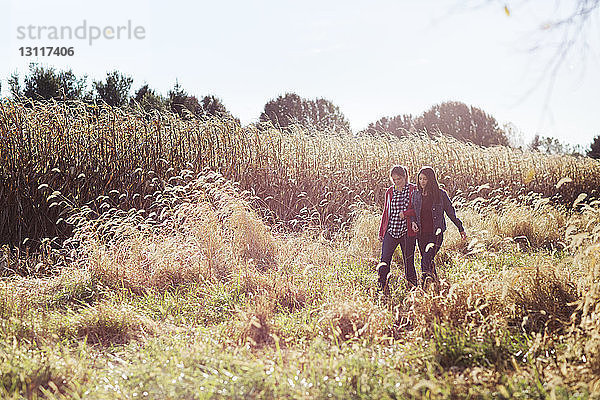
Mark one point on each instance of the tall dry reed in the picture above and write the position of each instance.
(55, 155)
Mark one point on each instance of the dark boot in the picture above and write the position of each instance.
(383, 270)
(426, 280)
(412, 285)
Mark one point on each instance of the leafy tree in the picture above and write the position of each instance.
(547, 145)
(550, 145)
(71, 87)
(284, 111)
(469, 124)
(466, 123)
(15, 86)
(213, 107)
(177, 100)
(149, 100)
(185, 105)
(325, 115)
(45, 83)
(594, 151)
(319, 114)
(115, 89)
(400, 125)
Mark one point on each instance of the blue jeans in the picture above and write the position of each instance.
(428, 252)
(407, 245)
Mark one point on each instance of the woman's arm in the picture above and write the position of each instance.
(410, 211)
(450, 211)
(384, 217)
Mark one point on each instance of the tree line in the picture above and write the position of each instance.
(452, 118)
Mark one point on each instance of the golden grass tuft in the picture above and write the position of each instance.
(542, 297)
(540, 223)
(364, 231)
(252, 240)
(498, 223)
(249, 236)
(72, 285)
(108, 324)
(290, 296)
(531, 299)
(309, 250)
(201, 231)
(283, 289)
(145, 261)
(459, 304)
(583, 235)
(255, 323)
(356, 318)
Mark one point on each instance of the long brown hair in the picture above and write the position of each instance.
(432, 188)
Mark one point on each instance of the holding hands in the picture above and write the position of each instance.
(415, 228)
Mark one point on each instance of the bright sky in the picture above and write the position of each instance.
(371, 58)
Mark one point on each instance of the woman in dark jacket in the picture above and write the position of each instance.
(394, 229)
(430, 203)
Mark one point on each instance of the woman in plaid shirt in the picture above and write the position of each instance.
(394, 229)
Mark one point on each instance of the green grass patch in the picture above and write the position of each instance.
(468, 346)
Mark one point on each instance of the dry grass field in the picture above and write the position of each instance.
(152, 257)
